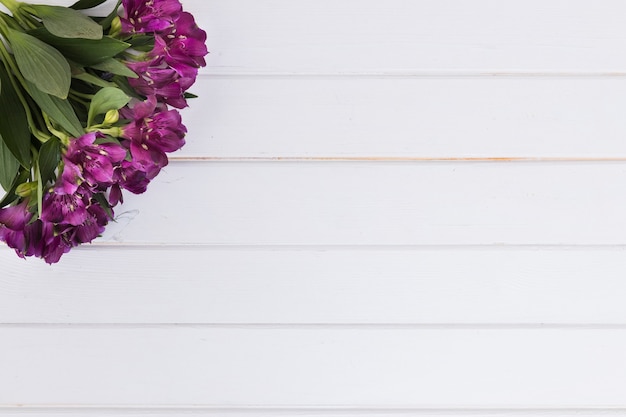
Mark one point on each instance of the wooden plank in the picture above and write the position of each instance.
(568, 286)
(406, 117)
(327, 367)
(311, 411)
(378, 204)
(357, 36)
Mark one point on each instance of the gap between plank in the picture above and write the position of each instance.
(320, 326)
(499, 159)
(348, 247)
(314, 410)
(217, 73)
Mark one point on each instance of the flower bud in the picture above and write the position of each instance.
(111, 117)
(116, 27)
(26, 189)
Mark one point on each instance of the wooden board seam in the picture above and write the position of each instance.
(322, 326)
(496, 159)
(212, 73)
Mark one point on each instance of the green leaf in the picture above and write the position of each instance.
(41, 64)
(86, 52)
(14, 127)
(60, 111)
(110, 98)
(65, 22)
(92, 79)
(122, 82)
(10, 195)
(114, 66)
(49, 157)
(102, 201)
(143, 43)
(9, 165)
(86, 4)
(190, 96)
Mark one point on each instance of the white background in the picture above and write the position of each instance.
(385, 208)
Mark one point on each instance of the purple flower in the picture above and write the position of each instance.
(38, 238)
(159, 80)
(183, 47)
(66, 209)
(90, 162)
(15, 217)
(13, 221)
(171, 68)
(153, 131)
(52, 244)
(141, 16)
(133, 177)
(153, 126)
(92, 227)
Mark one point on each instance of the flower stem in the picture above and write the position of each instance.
(62, 136)
(13, 73)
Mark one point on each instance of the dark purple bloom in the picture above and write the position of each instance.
(67, 209)
(15, 217)
(38, 238)
(171, 68)
(90, 162)
(153, 131)
(141, 16)
(53, 244)
(134, 177)
(159, 80)
(13, 221)
(93, 225)
(154, 127)
(183, 47)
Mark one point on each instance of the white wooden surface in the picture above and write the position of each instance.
(385, 208)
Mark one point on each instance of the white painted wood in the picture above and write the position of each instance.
(370, 36)
(311, 411)
(332, 367)
(378, 204)
(407, 117)
(367, 36)
(466, 286)
(357, 289)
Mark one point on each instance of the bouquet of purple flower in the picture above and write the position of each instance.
(87, 109)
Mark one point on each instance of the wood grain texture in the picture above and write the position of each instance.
(265, 286)
(329, 367)
(407, 117)
(370, 36)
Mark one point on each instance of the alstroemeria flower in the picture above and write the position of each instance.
(183, 47)
(13, 221)
(90, 162)
(134, 177)
(141, 16)
(153, 126)
(53, 244)
(153, 131)
(92, 227)
(69, 209)
(15, 217)
(159, 80)
(38, 238)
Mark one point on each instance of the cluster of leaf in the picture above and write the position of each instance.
(60, 73)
